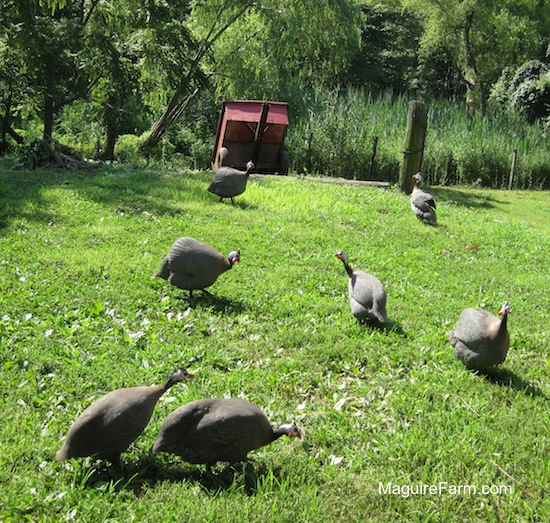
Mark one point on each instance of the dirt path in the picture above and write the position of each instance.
(327, 179)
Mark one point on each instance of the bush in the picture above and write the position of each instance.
(127, 148)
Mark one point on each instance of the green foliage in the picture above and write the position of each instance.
(527, 90)
(388, 57)
(278, 48)
(481, 37)
(81, 315)
(336, 138)
(127, 149)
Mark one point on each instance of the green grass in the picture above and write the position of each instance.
(81, 315)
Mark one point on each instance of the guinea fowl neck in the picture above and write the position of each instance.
(503, 323)
(171, 382)
(277, 433)
(176, 378)
(349, 270)
(282, 430)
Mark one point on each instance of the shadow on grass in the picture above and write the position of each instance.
(393, 326)
(206, 300)
(147, 472)
(122, 189)
(465, 198)
(240, 203)
(507, 378)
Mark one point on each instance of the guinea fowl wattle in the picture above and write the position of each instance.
(229, 182)
(480, 339)
(193, 265)
(422, 203)
(209, 430)
(367, 296)
(109, 425)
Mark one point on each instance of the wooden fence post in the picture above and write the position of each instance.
(413, 151)
(513, 169)
(372, 158)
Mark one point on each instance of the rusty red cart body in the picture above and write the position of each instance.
(253, 130)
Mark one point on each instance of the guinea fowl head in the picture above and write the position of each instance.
(341, 255)
(249, 165)
(417, 177)
(505, 310)
(234, 257)
(289, 429)
(181, 374)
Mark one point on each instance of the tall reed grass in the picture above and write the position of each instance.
(335, 136)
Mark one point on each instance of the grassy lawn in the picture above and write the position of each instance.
(380, 410)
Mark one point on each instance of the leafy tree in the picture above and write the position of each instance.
(267, 49)
(481, 36)
(44, 38)
(388, 56)
(526, 89)
(12, 85)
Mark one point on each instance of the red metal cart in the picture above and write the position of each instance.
(253, 130)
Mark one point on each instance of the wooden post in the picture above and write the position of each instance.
(373, 158)
(413, 151)
(259, 134)
(513, 169)
(447, 177)
(308, 153)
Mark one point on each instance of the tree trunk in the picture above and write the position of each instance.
(469, 70)
(48, 117)
(168, 118)
(176, 107)
(413, 151)
(111, 133)
(8, 129)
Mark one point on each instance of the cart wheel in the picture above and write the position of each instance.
(283, 163)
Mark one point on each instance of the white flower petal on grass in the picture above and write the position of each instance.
(335, 460)
(136, 335)
(339, 404)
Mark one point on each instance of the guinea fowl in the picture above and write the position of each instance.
(422, 203)
(110, 424)
(191, 264)
(480, 339)
(229, 182)
(367, 296)
(209, 430)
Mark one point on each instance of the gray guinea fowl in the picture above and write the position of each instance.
(367, 296)
(229, 182)
(480, 339)
(210, 430)
(422, 203)
(110, 424)
(192, 265)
